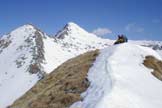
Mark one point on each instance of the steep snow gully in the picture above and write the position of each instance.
(120, 80)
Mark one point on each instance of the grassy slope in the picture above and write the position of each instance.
(60, 88)
(155, 64)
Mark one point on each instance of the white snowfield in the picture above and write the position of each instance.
(118, 79)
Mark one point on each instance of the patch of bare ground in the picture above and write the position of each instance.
(155, 64)
(62, 87)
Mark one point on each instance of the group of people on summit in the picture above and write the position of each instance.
(121, 39)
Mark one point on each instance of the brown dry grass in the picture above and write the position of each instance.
(155, 64)
(62, 87)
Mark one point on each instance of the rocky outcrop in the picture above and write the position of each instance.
(38, 55)
(4, 43)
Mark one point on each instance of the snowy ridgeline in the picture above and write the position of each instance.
(120, 80)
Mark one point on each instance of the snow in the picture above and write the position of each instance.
(71, 41)
(156, 45)
(15, 81)
(15, 59)
(118, 79)
(77, 38)
(54, 55)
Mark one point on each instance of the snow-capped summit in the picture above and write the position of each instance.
(69, 42)
(21, 55)
(74, 31)
(69, 29)
(73, 27)
(22, 33)
(23, 41)
(75, 37)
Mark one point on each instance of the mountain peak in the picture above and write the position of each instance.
(70, 28)
(26, 26)
(23, 32)
(72, 24)
(24, 29)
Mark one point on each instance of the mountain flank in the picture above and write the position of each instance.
(62, 87)
(27, 54)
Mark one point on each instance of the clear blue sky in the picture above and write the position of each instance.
(138, 19)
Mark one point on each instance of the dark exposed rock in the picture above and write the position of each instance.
(61, 34)
(4, 43)
(38, 55)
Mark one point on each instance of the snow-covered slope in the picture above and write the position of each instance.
(77, 38)
(155, 45)
(19, 62)
(120, 80)
(71, 41)
(27, 53)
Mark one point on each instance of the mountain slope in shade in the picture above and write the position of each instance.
(119, 79)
